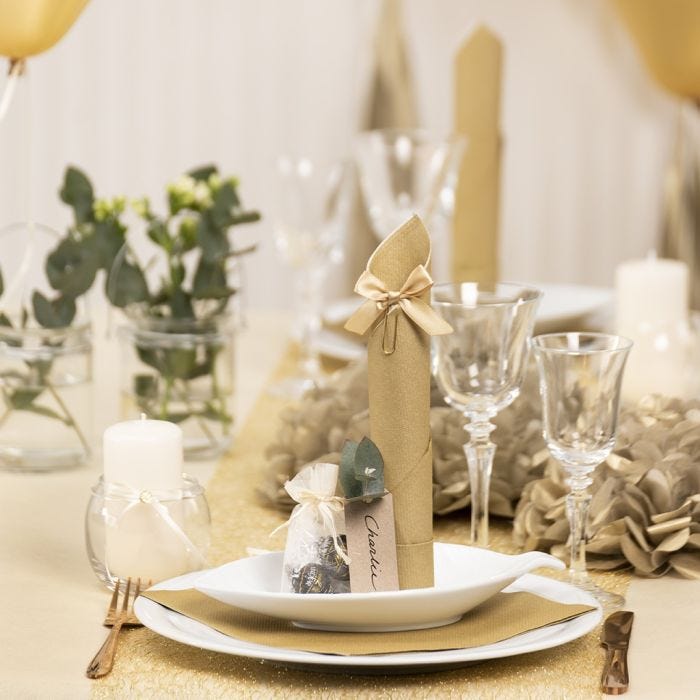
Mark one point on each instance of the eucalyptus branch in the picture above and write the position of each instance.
(70, 420)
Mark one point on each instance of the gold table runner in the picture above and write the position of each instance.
(151, 666)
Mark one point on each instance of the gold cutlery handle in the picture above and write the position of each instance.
(103, 661)
(615, 679)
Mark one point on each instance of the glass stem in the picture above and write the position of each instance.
(480, 451)
(577, 504)
(309, 282)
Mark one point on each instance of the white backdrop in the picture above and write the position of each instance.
(140, 90)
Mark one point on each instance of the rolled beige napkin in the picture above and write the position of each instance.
(477, 104)
(398, 317)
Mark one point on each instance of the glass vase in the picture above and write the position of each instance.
(46, 385)
(182, 371)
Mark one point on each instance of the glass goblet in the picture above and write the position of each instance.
(312, 206)
(408, 171)
(480, 368)
(580, 379)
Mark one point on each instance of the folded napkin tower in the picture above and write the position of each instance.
(399, 319)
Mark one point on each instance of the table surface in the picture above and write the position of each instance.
(51, 604)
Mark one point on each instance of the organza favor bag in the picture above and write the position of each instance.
(315, 557)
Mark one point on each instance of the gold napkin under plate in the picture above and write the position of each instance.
(501, 617)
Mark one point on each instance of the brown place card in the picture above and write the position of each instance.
(372, 545)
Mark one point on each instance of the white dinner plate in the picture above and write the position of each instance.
(563, 306)
(464, 578)
(187, 631)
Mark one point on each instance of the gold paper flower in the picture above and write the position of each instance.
(645, 510)
(315, 431)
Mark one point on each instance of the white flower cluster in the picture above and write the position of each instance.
(106, 208)
(190, 193)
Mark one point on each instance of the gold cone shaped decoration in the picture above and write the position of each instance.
(29, 27)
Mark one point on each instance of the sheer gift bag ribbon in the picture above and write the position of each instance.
(145, 535)
(400, 321)
(313, 489)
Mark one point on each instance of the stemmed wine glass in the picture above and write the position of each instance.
(580, 378)
(405, 172)
(312, 206)
(480, 368)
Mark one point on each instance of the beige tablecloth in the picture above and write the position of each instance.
(51, 604)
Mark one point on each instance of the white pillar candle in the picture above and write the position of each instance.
(650, 291)
(652, 310)
(145, 456)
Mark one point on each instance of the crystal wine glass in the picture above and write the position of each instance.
(480, 368)
(580, 378)
(407, 171)
(312, 207)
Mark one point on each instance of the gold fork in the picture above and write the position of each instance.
(116, 618)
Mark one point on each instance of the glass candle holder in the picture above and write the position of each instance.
(151, 535)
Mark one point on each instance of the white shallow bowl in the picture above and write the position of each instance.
(464, 578)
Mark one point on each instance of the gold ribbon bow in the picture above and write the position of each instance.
(382, 302)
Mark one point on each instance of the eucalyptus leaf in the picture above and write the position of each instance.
(186, 235)
(173, 363)
(352, 488)
(179, 363)
(225, 201)
(21, 399)
(126, 285)
(180, 303)
(211, 239)
(5, 321)
(107, 241)
(71, 267)
(245, 217)
(158, 233)
(177, 272)
(151, 358)
(203, 172)
(210, 280)
(57, 313)
(145, 386)
(77, 192)
(369, 467)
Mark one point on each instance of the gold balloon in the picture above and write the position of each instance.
(667, 33)
(28, 27)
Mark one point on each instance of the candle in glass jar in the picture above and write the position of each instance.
(652, 310)
(650, 291)
(145, 457)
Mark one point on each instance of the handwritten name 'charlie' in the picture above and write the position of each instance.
(372, 534)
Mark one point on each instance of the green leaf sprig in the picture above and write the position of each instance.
(362, 470)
